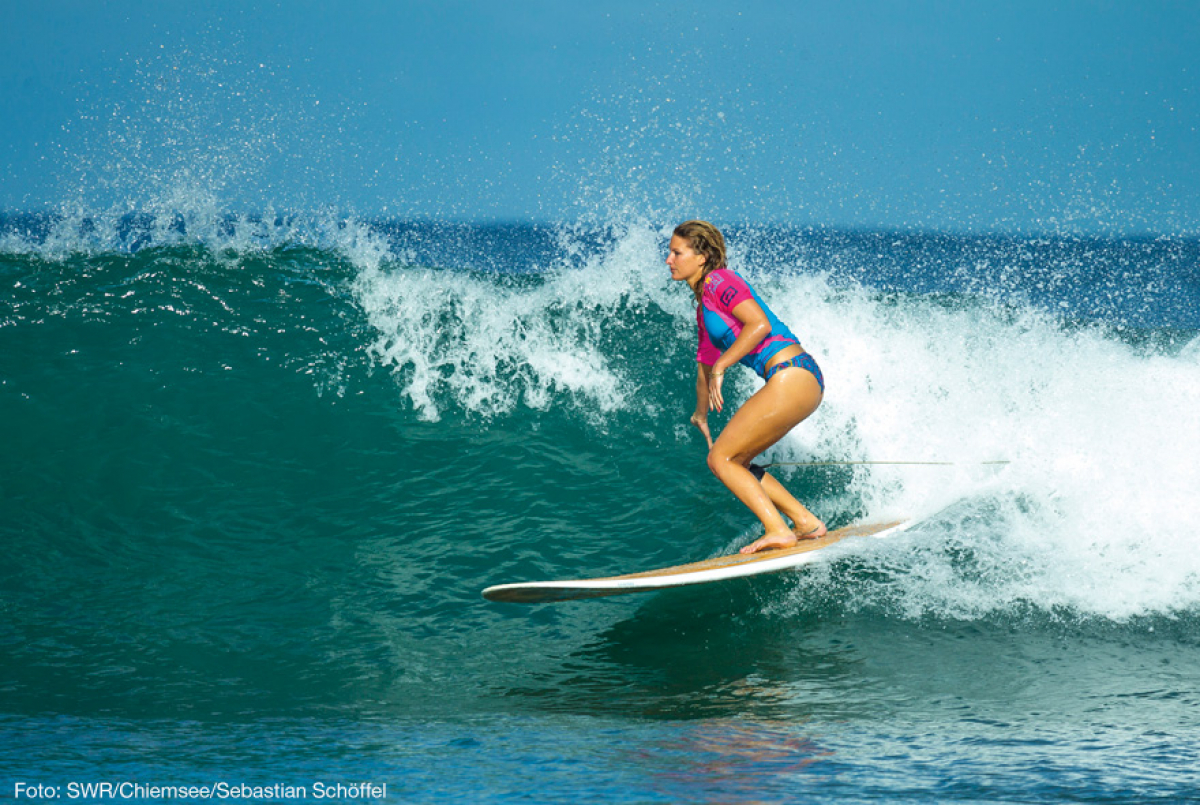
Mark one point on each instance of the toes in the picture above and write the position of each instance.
(776, 541)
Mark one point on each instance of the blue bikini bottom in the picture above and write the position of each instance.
(804, 361)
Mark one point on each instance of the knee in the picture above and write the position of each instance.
(719, 461)
(716, 461)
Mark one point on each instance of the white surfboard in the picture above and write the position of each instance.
(717, 569)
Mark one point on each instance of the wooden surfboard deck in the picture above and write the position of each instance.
(718, 568)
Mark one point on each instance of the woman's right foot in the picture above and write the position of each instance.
(814, 533)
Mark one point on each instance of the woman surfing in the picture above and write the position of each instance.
(736, 326)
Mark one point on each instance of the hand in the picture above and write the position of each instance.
(701, 422)
(715, 400)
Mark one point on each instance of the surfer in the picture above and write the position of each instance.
(737, 327)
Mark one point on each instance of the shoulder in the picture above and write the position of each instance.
(721, 276)
(724, 277)
(726, 287)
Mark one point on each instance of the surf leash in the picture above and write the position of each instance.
(890, 463)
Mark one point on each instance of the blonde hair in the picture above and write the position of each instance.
(705, 239)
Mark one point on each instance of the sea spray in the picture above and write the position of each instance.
(1095, 512)
(490, 342)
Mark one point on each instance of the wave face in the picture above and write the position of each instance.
(262, 465)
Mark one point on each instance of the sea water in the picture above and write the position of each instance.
(257, 470)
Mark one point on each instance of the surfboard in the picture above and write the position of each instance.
(719, 568)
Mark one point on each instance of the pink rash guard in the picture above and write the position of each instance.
(719, 328)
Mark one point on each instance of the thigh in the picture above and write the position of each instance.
(784, 402)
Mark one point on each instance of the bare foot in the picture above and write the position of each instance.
(815, 533)
(782, 539)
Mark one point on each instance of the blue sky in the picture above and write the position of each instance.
(958, 116)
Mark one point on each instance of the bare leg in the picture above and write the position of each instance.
(805, 524)
(785, 401)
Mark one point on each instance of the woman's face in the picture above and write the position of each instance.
(685, 264)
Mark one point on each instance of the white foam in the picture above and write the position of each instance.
(1098, 510)
(488, 344)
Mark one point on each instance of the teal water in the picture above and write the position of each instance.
(257, 473)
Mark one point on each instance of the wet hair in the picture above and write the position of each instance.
(705, 239)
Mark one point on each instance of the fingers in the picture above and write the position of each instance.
(715, 400)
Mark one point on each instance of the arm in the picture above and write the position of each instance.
(755, 328)
(700, 415)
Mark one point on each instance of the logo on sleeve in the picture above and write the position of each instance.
(727, 295)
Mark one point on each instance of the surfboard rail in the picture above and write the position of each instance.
(719, 568)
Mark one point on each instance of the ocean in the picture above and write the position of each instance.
(257, 470)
